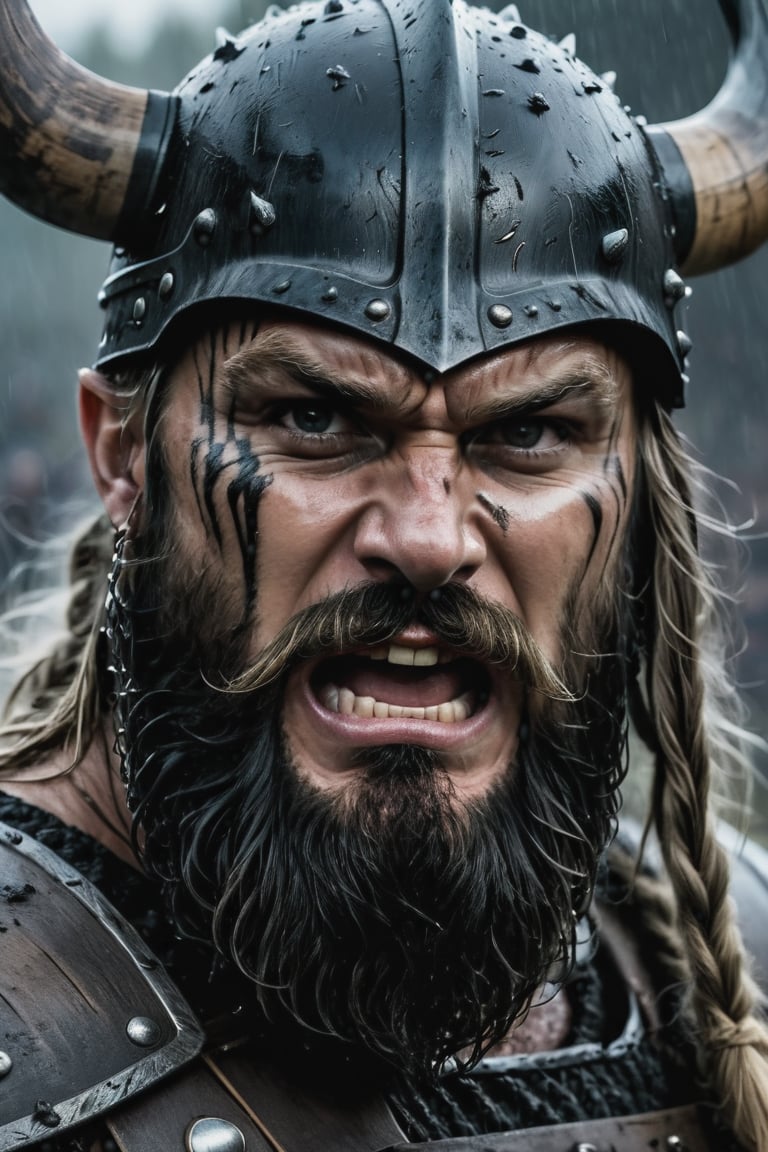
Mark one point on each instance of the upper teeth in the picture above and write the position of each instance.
(400, 654)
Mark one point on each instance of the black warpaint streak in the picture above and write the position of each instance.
(446, 485)
(596, 511)
(233, 454)
(243, 494)
(499, 514)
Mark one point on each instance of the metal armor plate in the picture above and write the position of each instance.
(88, 1017)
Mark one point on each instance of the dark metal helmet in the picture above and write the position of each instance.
(430, 174)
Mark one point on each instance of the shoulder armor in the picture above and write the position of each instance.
(88, 1017)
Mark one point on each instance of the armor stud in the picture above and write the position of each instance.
(684, 343)
(585, 1148)
(143, 1031)
(674, 287)
(205, 226)
(213, 1135)
(139, 309)
(500, 316)
(377, 310)
(5, 1064)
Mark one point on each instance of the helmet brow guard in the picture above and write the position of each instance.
(436, 177)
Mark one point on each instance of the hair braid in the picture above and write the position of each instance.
(732, 1042)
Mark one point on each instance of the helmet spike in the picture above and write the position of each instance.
(568, 44)
(609, 79)
(715, 162)
(512, 13)
(72, 145)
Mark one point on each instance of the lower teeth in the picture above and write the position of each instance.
(345, 702)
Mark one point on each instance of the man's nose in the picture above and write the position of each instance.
(419, 525)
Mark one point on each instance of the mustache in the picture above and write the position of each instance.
(374, 613)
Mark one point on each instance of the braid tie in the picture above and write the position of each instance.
(748, 1032)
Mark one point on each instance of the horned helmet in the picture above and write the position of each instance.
(436, 177)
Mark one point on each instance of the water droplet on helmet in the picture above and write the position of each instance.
(529, 65)
(263, 215)
(339, 75)
(165, 288)
(537, 103)
(614, 245)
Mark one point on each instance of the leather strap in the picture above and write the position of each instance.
(684, 1129)
(273, 1114)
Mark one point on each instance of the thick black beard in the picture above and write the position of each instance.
(396, 918)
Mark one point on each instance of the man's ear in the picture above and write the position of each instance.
(115, 447)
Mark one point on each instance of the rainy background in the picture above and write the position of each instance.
(670, 56)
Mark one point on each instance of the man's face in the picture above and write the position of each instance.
(304, 461)
(356, 602)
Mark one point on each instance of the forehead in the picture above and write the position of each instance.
(313, 352)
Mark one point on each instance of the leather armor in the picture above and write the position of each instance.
(91, 1026)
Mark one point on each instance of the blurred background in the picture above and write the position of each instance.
(670, 56)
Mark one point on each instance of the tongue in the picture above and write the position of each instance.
(391, 684)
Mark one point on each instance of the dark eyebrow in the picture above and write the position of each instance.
(274, 358)
(593, 383)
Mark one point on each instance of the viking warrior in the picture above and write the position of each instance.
(311, 817)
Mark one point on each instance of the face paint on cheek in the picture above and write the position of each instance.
(244, 489)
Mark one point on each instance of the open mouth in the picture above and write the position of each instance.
(397, 681)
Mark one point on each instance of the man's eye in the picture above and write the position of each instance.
(313, 418)
(527, 435)
(523, 433)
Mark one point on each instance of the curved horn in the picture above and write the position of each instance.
(75, 150)
(716, 162)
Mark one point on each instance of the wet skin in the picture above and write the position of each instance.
(305, 460)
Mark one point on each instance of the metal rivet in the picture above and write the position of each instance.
(684, 343)
(213, 1135)
(139, 309)
(166, 285)
(615, 245)
(674, 1142)
(263, 215)
(204, 227)
(532, 311)
(331, 294)
(143, 1031)
(377, 310)
(674, 286)
(585, 1148)
(281, 288)
(500, 316)
(5, 1064)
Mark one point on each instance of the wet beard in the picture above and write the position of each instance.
(396, 918)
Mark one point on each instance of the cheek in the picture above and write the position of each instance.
(559, 544)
